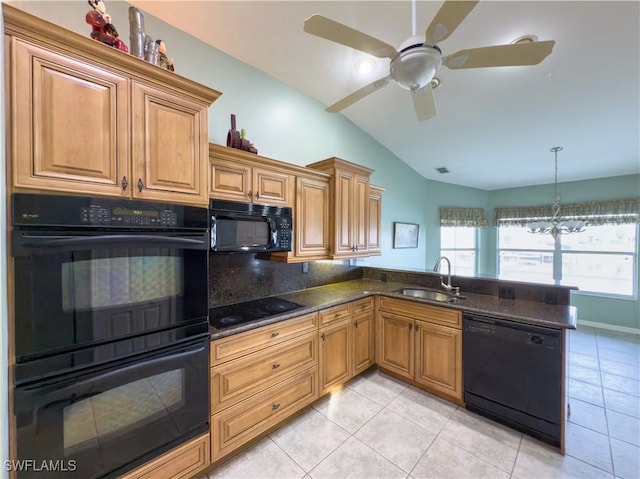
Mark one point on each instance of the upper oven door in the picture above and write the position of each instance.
(75, 290)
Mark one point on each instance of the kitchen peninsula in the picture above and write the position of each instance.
(265, 371)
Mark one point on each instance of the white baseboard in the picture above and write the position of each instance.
(612, 327)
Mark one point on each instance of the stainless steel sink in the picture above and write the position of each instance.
(430, 295)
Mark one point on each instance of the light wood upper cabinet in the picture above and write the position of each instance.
(237, 175)
(349, 207)
(170, 146)
(68, 122)
(85, 118)
(311, 222)
(375, 220)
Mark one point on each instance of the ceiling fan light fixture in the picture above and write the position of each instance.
(365, 66)
(413, 69)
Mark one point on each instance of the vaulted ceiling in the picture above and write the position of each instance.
(494, 126)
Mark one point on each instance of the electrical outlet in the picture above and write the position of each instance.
(550, 297)
(305, 267)
(507, 292)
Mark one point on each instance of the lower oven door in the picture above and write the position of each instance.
(104, 423)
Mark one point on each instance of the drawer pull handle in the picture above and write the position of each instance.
(337, 315)
(275, 366)
(355, 323)
(273, 335)
(275, 407)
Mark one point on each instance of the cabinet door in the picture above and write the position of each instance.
(230, 181)
(343, 211)
(169, 146)
(335, 354)
(439, 358)
(68, 123)
(363, 342)
(312, 218)
(360, 223)
(375, 220)
(396, 343)
(272, 187)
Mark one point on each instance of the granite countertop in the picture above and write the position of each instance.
(321, 297)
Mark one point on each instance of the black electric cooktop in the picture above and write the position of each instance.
(239, 313)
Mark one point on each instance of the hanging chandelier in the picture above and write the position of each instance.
(555, 226)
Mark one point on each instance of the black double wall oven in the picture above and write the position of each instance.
(111, 332)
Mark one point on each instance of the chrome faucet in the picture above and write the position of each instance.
(454, 289)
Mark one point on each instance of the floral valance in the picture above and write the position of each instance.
(593, 213)
(462, 217)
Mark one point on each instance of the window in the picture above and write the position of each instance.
(602, 259)
(458, 238)
(458, 243)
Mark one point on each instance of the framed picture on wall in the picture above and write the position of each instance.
(405, 235)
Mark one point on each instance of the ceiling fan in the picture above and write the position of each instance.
(418, 58)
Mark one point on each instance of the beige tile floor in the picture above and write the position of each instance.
(377, 427)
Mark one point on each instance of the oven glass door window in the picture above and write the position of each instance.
(102, 418)
(111, 282)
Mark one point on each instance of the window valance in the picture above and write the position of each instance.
(472, 217)
(624, 211)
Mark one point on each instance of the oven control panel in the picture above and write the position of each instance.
(121, 216)
(38, 210)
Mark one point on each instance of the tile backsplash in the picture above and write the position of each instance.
(234, 278)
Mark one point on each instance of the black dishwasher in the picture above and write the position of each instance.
(513, 374)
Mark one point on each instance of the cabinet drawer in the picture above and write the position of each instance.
(246, 420)
(238, 345)
(362, 305)
(334, 314)
(182, 462)
(241, 378)
(424, 312)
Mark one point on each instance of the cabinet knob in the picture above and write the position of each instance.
(140, 185)
(273, 335)
(410, 326)
(355, 323)
(322, 336)
(124, 183)
(275, 366)
(257, 195)
(250, 194)
(275, 407)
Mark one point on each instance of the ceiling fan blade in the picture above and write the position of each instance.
(424, 103)
(450, 15)
(337, 32)
(358, 95)
(500, 55)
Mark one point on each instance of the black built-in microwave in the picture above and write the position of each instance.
(238, 227)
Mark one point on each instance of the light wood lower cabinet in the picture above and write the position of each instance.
(259, 378)
(422, 343)
(346, 342)
(238, 424)
(184, 461)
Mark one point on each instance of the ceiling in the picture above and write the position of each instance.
(494, 126)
